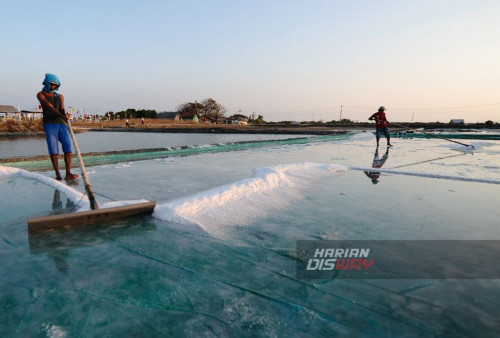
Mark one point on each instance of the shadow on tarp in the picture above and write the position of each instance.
(58, 243)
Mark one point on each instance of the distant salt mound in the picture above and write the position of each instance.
(218, 210)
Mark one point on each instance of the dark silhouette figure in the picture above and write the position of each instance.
(377, 163)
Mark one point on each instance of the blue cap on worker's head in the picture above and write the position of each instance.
(50, 78)
(382, 108)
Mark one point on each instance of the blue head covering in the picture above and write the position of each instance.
(51, 78)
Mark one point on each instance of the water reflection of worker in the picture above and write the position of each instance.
(60, 255)
(57, 207)
(377, 163)
(56, 203)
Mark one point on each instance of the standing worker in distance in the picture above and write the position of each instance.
(54, 124)
(381, 125)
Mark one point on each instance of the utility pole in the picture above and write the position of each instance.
(340, 120)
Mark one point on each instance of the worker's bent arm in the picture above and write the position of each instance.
(46, 102)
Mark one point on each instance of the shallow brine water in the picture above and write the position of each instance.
(217, 257)
(115, 141)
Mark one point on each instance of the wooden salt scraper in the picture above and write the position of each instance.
(90, 216)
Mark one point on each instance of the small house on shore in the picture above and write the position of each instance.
(8, 109)
(5, 109)
(169, 116)
(457, 121)
(205, 119)
(239, 119)
(190, 116)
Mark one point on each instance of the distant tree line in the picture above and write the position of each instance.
(133, 113)
(256, 120)
(208, 108)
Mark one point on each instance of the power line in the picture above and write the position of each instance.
(297, 112)
(418, 109)
(289, 112)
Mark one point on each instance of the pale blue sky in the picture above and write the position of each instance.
(288, 60)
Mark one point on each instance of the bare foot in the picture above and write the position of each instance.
(70, 177)
(58, 177)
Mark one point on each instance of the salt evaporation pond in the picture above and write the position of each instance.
(115, 141)
(217, 257)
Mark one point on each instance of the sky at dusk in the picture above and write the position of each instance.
(426, 60)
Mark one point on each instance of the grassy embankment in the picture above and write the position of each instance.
(151, 124)
(28, 126)
(23, 126)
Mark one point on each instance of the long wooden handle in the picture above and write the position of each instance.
(88, 187)
(437, 136)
